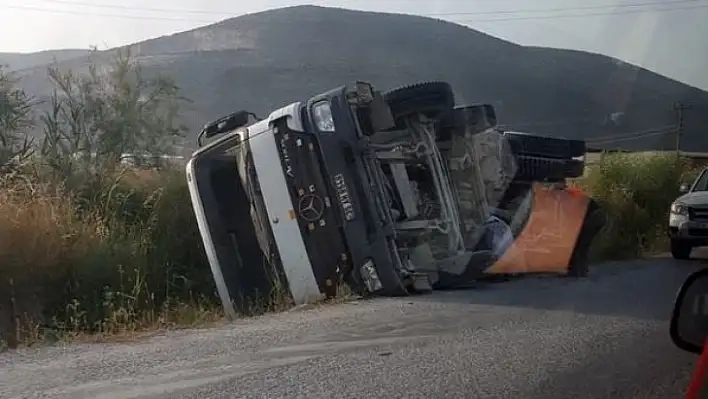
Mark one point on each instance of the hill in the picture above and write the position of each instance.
(264, 60)
(19, 61)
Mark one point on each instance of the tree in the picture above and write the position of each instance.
(16, 119)
(113, 109)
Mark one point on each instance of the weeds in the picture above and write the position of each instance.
(111, 256)
(636, 192)
(117, 254)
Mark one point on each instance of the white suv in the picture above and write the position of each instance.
(688, 218)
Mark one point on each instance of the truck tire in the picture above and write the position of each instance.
(538, 169)
(428, 98)
(681, 250)
(544, 146)
(542, 158)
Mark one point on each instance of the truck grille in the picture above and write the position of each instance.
(312, 206)
(698, 213)
(698, 232)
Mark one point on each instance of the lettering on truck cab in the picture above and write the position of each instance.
(343, 196)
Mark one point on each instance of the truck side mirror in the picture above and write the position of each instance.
(226, 124)
(684, 188)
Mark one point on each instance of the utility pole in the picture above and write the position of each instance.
(679, 107)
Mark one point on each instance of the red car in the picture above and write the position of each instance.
(698, 388)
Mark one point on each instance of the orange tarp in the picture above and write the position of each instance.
(547, 242)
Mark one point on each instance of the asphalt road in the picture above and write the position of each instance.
(602, 337)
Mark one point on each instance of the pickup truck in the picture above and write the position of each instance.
(688, 217)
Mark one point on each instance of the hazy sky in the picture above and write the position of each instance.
(667, 36)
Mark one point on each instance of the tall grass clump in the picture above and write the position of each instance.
(125, 257)
(636, 192)
(42, 241)
(152, 248)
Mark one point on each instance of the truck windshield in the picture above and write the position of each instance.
(243, 161)
(239, 230)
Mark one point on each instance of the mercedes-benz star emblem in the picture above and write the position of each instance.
(311, 207)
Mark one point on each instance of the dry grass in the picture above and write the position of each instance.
(112, 256)
(108, 257)
(41, 235)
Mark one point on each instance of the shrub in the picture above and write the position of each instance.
(86, 245)
(636, 192)
(116, 259)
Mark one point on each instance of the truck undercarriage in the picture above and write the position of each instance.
(387, 193)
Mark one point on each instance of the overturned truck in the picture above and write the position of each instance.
(388, 193)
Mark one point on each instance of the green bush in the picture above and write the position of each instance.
(636, 192)
(122, 257)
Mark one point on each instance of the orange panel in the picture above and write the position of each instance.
(546, 244)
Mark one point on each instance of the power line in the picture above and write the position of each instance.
(227, 15)
(499, 12)
(611, 141)
(597, 14)
(631, 136)
(94, 14)
(131, 8)
(607, 138)
(598, 143)
(635, 133)
(561, 9)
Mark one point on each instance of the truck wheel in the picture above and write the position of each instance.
(546, 158)
(428, 98)
(680, 249)
(539, 169)
(535, 145)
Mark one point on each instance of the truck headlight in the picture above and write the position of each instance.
(322, 115)
(370, 276)
(679, 209)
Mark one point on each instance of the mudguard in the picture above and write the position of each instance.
(549, 238)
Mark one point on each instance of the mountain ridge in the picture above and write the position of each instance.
(264, 60)
(19, 61)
